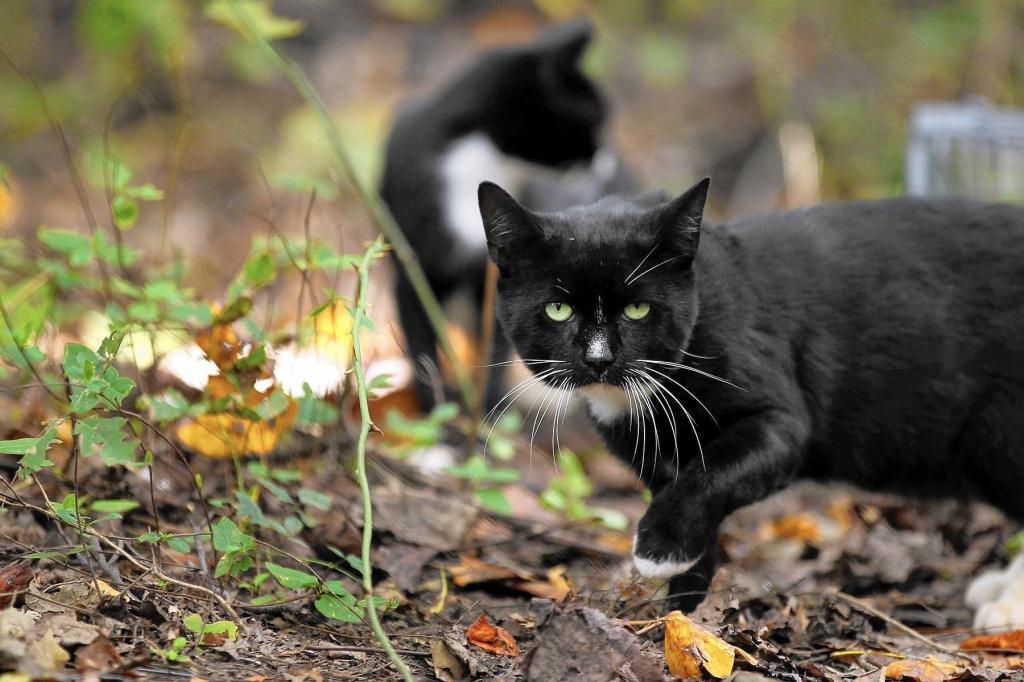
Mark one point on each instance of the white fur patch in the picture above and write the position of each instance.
(606, 403)
(466, 163)
(661, 570)
(998, 597)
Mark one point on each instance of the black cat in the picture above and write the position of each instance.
(520, 115)
(878, 342)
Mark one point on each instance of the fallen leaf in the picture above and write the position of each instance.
(470, 571)
(220, 343)
(332, 333)
(100, 656)
(227, 435)
(44, 656)
(14, 580)
(556, 587)
(920, 670)
(492, 638)
(1006, 640)
(689, 647)
(795, 527)
(447, 666)
(67, 628)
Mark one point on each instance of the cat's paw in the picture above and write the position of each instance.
(660, 566)
(998, 597)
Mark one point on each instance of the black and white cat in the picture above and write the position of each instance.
(879, 342)
(524, 116)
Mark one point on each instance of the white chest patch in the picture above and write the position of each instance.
(466, 163)
(606, 403)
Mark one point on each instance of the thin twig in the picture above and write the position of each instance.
(906, 629)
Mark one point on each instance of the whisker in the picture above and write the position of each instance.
(517, 360)
(655, 267)
(544, 403)
(666, 408)
(688, 392)
(689, 418)
(640, 264)
(679, 365)
(520, 389)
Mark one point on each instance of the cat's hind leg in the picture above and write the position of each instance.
(990, 447)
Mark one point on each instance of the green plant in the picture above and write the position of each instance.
(568, 492)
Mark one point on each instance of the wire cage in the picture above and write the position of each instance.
(968, 149)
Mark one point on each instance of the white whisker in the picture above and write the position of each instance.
(680, 365)
(654, 267)
(640, 264)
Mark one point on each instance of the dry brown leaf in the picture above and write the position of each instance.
(1005, 640)
(689, 648)
(100, 656)
(470, 571)
(796, 527)
(45, 655)
(447, 666)
(556, 587)
(226, 435)
(14, 579)
(920, 670)
(492, 638)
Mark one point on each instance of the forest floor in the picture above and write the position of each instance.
(820, 582)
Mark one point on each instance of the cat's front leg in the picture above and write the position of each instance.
(755, 457)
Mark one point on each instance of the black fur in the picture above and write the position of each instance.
(533, 102)
(877, 342)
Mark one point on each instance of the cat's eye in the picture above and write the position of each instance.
(636, 311)
(558, 311)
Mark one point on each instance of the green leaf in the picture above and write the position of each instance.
(227, 537)
(276, 403)
(74, 246)
(114, 506)
(169, 405)
(315, 498)
(125, 211)
(110, 346)
(343, 609)
(18, 446)
(478, 470)
(259, 15)
(106, 436)
(194, 623)
(235, 310)
(222, 627)
(146, 192)
(178, 545)
(291, 578)
(494, 499)
(260, 269)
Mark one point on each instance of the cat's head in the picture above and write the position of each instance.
(596, 294)
(536, 102)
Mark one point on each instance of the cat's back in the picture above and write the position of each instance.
(862, 245)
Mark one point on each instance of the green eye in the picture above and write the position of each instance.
(636, 311)
(559, 312)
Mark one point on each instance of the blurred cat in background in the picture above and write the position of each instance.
(525, 116)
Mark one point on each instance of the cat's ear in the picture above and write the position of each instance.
(563, 44)
(680, 219)
(509, 227)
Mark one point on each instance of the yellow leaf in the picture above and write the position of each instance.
(227, 435)
(332, 333)
(689, 647)
(8, 200)
(920, 670)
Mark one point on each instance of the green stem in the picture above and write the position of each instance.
(378, 211)
(375, 250)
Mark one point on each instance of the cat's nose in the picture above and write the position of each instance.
(598, 355)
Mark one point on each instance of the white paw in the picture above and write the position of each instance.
(998, 597)
(660, 568)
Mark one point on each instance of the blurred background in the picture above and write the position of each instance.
(782, 102)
